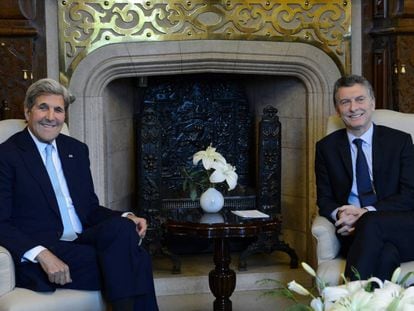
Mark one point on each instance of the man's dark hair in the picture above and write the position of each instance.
(351, 80)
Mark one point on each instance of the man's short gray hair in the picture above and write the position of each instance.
(46, 87)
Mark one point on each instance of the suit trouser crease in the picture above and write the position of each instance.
(105, 254)
(126, 267)
(382, 240)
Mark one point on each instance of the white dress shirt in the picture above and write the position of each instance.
(76, 223)
(367, 149)
(74, 218)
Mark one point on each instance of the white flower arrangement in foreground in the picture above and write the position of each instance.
(358, 295)
(216, 170)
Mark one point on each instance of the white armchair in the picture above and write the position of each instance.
(330, 265)
(20, 299)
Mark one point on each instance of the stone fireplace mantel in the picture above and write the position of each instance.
(311, 66)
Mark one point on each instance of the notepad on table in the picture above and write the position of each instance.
(251, 213)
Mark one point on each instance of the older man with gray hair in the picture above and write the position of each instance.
(51, 220)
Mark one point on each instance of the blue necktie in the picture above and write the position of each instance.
(366, 193)
(69, 233)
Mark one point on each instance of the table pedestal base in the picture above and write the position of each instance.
(222, 280)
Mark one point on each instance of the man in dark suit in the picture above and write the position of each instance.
(51, 220)
(375, 226)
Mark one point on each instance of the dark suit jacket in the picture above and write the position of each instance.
(29, 214)
(393, 170)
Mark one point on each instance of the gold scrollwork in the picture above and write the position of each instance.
(85, 25)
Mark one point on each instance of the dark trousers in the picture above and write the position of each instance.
(105, 257)
(381, 241)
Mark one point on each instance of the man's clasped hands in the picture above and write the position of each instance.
(347, 216)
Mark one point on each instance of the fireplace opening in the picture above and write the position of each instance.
(179, 116)
(124, 97)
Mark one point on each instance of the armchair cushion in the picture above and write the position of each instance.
(327, 243)
(7, 282)
(11, 126)
(22, 299)
(394, 119)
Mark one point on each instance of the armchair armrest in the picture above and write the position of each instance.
(328, 244)
(7, 279)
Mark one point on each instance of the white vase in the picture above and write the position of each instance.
(211, 201)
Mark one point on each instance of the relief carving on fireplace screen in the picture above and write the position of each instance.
(179, 117)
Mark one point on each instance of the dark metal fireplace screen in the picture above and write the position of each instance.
(180, 116)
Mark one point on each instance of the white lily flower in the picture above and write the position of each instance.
(334, 293)
(317, 304)
(297, 288)
(375, 280)
(308, 269)
(328, 305)
(382, 302)
(407, 299)
(361, 300)
(217, 171)
(396, 275)
(355, 286)
(344, 304)
(409, 292)
(224, 172)
(355, 296)
(406, 307)
(390, 286)
(208, 157)
(383, 297)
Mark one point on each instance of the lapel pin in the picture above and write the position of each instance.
(70, 155)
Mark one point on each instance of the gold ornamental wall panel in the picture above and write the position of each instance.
(86, 25)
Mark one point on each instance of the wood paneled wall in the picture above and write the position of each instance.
(22, 52)
(388, 32)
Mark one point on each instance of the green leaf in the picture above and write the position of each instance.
(320, 284)
(356, 273)
(393, 306)
(193, 194)
(406, 277)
